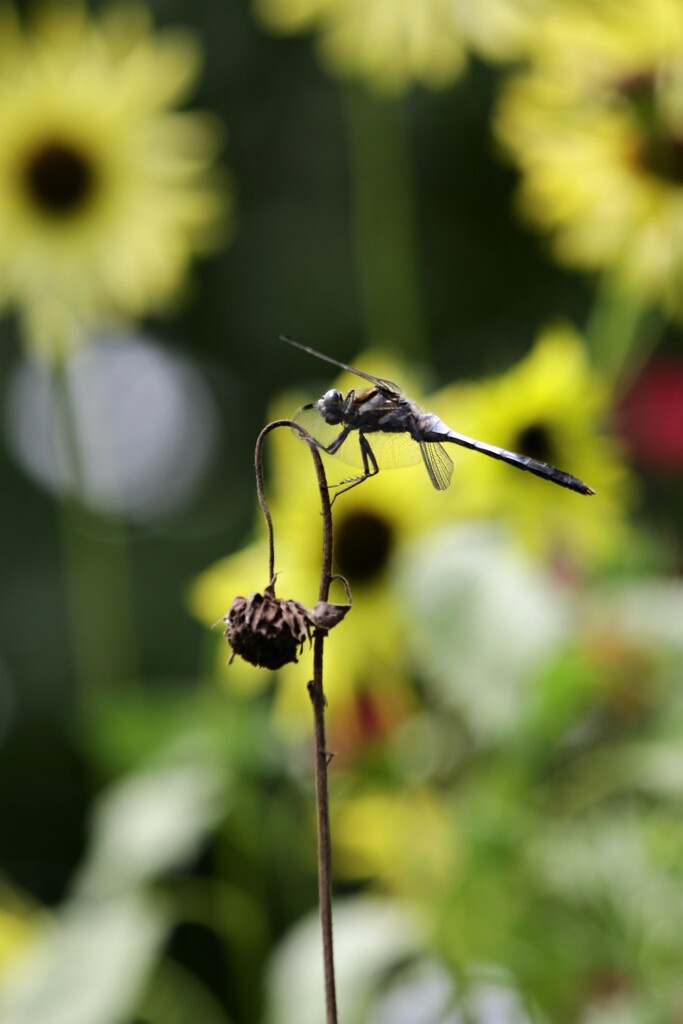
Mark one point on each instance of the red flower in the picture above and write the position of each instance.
(650, 418)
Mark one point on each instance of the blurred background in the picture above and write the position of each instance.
(486, 206)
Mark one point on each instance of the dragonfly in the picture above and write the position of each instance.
(380, 427)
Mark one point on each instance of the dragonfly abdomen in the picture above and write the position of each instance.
(523, 462)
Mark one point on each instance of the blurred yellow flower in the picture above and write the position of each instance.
(21, 924)
(366, 675)
(550, 406)
(403, 840)
(388, 43)
(502, 29)
(106, 191)
(596, 125)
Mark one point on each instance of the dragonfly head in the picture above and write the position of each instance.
(331, 406)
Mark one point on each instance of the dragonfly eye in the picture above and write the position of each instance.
(331, 406)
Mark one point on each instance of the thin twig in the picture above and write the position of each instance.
(326, 573)
(318, 701)
(317, 695)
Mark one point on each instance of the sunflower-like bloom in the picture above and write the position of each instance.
(106, 190)
(388, 43)
(366, 674)
(551, 407)
(596, 124)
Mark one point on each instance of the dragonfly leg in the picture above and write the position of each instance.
(334, 447)
(370, 468)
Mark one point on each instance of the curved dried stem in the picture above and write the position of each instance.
(325, 504)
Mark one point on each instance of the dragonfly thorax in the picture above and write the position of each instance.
(332, 406)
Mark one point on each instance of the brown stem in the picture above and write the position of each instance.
(326, 573)
(318, 701)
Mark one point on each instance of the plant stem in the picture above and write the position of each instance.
(384, 222)
(322, 757)
(318, 701)
(97, 573)
(621, 333)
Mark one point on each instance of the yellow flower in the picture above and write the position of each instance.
(388, 43)
(106, 190)
(365, 661)
(596, 124)
(20, 926)
(404, 840)
(549, 406)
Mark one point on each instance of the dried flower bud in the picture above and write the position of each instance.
(270, 632)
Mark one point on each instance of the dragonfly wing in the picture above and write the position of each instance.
(394, 450)
(438, 464)
(325, 433)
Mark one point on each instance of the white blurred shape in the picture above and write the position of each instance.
(151, 823)
(371, 936)
(145, 420)
(383, 974)
(422, 992)
(485, 619)
(90, 966)
(425, 993)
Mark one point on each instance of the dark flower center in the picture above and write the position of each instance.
(362, 546)
(59, 178)
(536, 440)
(663, 157)
(660, 151)
(640, 91)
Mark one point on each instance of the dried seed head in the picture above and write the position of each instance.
(267, 631)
